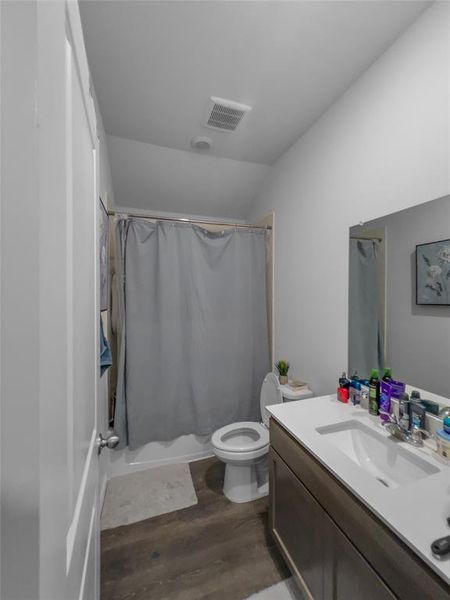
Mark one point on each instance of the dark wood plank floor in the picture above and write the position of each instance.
(215, 550)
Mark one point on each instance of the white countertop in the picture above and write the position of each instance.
(416, 512)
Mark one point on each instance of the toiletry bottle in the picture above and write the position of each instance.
(403, 410)
(343, 394)
(343, 391)
(446, 424)
(417, 415)
(415, 396)
(385, 399)
(364, 394)
(355, 392)
(387, 375)
(343, 381)
(352, 387)
(374, 392)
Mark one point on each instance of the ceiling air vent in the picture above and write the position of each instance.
(225, 114)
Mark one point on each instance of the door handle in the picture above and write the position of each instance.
(110, 441)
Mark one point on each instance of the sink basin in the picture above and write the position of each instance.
(382, 457)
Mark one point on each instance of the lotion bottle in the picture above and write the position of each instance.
(374, 392)
(403, 410)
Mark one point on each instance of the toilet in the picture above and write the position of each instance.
(244, 446)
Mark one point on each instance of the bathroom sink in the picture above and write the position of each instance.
(381, 457)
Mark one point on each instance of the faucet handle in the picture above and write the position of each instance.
(416, 435)
(391, 417)
(416, 428)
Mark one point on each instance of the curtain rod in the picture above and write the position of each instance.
(113, 213)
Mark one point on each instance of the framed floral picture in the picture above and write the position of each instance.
(433, 273)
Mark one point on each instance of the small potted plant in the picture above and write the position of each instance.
(282, 366)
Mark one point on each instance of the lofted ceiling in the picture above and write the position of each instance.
(155, 65)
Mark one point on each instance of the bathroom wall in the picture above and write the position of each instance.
(21, 410)
(160, 180)
(383, 146)
(106, 184)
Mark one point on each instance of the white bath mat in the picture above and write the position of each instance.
(138, 496)
(285, 590)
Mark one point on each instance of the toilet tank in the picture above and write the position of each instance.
(273, 393)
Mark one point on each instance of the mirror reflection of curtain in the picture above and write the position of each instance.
(194, 346)
(366, 314)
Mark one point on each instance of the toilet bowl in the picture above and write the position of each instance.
(244, 447)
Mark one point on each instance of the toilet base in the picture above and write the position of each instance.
(241, 483)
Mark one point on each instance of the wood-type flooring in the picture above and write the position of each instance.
(215, 550)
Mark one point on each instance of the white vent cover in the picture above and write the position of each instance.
(225, 115)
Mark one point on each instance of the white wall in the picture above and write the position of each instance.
(19, 272)
(382, 147)
(106, 188)
(159, 179)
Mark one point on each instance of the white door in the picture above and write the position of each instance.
(50, 515)
(68, 134)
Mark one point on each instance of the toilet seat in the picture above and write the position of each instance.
(244, 436)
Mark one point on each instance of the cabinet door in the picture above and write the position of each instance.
(318, 553)
(348, 574)
(297, 525)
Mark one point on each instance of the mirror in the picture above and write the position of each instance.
(399, 297)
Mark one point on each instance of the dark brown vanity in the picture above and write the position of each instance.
(334, 545)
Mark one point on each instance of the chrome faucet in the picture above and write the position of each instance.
(416, 435)
(398, 430)
(395, 427)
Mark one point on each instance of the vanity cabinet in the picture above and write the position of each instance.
(333, 544)
(315, 548)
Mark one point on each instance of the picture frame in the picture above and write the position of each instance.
(433, 273)
(103, 254)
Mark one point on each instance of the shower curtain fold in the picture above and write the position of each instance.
(120, 413)
(366, 331)
(193, 347)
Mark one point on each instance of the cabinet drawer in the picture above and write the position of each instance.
(404, 573)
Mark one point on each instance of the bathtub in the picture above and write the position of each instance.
(184, 449)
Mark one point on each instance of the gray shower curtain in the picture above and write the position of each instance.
(366, 330)
(194, 339)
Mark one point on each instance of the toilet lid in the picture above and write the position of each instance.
(270, 394)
